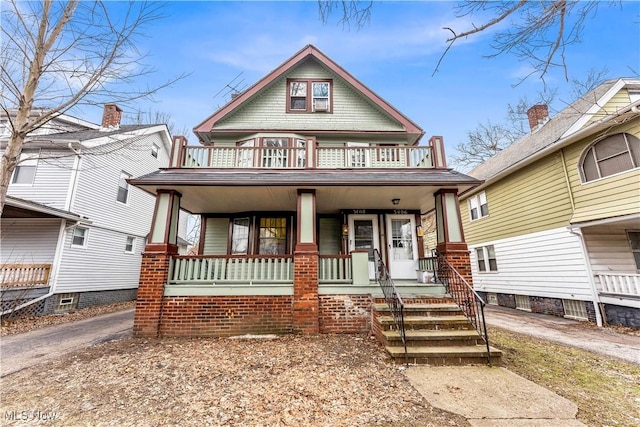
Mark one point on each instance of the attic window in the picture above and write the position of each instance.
(308, 96)
(609, 156)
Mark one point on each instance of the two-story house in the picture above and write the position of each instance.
(73, 228)
(555, 227)
(309, 185)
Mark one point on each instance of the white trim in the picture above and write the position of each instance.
(57, 257)
(73, 182)
(590, 276)
(604, 221)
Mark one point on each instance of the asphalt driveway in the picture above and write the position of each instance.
(21, 351)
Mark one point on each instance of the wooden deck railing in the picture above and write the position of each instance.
(231, 269)
(24, 275)
(619, 283)
(375, 157)
(335, 269)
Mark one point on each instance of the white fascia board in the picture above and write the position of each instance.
(124, 135)
(605, 221)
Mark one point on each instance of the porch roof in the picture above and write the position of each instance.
(20, 208)
(218, 190)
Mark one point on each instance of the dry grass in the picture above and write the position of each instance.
(606, 390)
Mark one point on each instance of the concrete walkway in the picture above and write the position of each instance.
(569, 332)
(21, 351)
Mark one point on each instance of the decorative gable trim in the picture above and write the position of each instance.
(308, 51)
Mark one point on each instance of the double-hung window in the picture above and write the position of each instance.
(240, 236)
(123, 188)
(79, 237)
(309, 96)
(25, 171)
(155, 150)
(272, 236)
(130, 245)
(486, 258)
(478, 207)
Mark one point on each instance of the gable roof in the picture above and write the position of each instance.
(564, 128)
(306, 52)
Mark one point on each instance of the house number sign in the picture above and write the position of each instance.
(400, 211)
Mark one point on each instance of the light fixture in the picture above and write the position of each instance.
(395, 201)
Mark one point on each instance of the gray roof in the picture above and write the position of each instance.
(85, 135)
(235, 177)
(547, 135)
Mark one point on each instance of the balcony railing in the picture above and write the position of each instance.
(619, 283)
(246, 270)
(24, 275)
(304, 157)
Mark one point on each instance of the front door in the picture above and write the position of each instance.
(363, 235)
(403, 245)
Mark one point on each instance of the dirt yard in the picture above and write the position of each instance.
(288, 381)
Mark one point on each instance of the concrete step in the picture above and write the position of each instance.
(427, 322)
(445, 355)
(434, 309)
(422, 337)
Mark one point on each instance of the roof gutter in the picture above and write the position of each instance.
(557, 145)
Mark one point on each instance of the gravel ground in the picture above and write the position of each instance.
(327, 380)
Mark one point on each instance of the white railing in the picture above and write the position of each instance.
(24, 275)
(296, 157)
(335, 269)
(230, 269)
(619, 283)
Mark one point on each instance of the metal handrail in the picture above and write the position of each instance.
(463, 294)
(392, 298)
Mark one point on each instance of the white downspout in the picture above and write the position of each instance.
(594, 291)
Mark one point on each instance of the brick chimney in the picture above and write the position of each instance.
(538, 115)
(111, 116)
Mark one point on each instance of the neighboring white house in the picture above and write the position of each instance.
(73, 229)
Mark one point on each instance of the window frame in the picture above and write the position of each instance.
(309, 96)
(26, 160)
(590, 151)
(85, 237)
(287, 231)
(123, 178)
(478, 202)
(486, 259)
(155, 150)
(133, 245)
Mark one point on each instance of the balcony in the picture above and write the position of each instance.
(303, 157)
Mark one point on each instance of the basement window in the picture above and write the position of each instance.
(492, 298)
(66, 302)
(523, 303)
(574, 309)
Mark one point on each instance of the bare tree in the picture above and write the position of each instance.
(538, 32)
(62, 55)
(154, 118)
(487, 140)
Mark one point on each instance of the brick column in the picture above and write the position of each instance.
(306, 312)
(153, 275)
(305, 293)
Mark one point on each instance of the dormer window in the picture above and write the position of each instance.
(308, 96)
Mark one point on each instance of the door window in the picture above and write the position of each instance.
(363, 236)
(402, 239)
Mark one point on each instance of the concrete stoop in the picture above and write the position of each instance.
(437, 334)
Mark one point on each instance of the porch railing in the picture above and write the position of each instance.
(619, 283)
(335, 269)
(392, 298)
(465, 296)
(297, 157)
(24, 275)
(231, 269)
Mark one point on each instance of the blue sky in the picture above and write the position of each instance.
(394, 55)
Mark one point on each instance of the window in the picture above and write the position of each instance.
(634, 242)
(309, 96)
(130, 245)
(25, 171)
(274, 152)
(155, 150)
(486, 256)
(609, 156)
(575, 309)
(492, 298)
(240, 236)
(79, 237)
(272, 236)
(523, 303)
(123, 188)
(478, 207)
(244, 159)
(66, 302)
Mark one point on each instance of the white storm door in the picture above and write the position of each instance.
(363, 235)
(403, 245)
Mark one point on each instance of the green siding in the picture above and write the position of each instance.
(350, 109)
(530, 200)
(216, 236)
